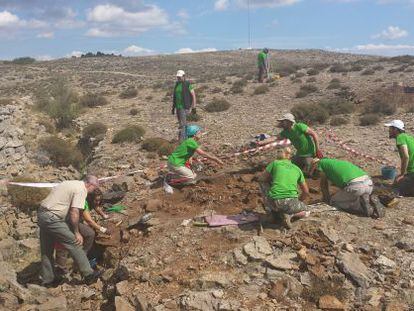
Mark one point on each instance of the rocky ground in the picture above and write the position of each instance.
(331, 261)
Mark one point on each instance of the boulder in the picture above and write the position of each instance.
(351, 265)
(328, 302)
(258, 249)
(282, 262)
(122, 304)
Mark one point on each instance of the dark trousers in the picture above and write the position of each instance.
(405, 186)
(182, 124)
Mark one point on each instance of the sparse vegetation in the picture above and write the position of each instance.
(238, 86)
(159, 145)
(369, 119)
(26, 198)
(368, 72)
(306, 90)
(133, 112)
(61, 152)
(311, 113)
(94, 130)
(312, 72)
(217, 105)
(132, 133)
(261, 89)
(338, 68)
(311, 80)
(338, 120)
(298, 75)
(6, 101)
(50, 128)
(23, 61)
(193, 117)
(93, 100)
(383, 102)
(338, 106)
(129, 92)
(285, 69)
(334, 84)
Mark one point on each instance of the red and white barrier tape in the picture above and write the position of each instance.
(330, 135)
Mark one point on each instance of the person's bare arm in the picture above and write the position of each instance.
(326, 197)
(193, 95)
(89, 220)
(403, 150)
(314, 136)
(101, 213)
(304, 191)
(74, 221)
(208, 156)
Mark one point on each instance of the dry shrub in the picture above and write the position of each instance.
(338, 68)
(93, 100)
(238, 86)
(193, 117)
(129, 92)
(285, 69)
(311, 113)
(95, 129)
(298, 75)
(217, 105)
(312, 72)
(61, 152)
(26, 198)
(159, 145)
(261, 89)
(311, 80)
(384, 102)
(6, 101)
(306, 90)
(338, 120)
(378, 68)
(369, 119)
(368, 72)
(133, 112)
(334, 84)
(132, 133)
(49, 126)
(338, 106)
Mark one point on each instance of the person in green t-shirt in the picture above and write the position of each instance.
(355, 187)
(263, 64)
(303, 138)
(404, 182)
(184, 102)
(279, 186)
(179, 161)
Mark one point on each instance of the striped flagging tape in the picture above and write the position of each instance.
(331, 136)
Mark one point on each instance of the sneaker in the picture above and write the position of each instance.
(379, 209)
(286, 221)
(93, 277)
(366, 205)
(93, 263)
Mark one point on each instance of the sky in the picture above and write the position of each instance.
(49, 29)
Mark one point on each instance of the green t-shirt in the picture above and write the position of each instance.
(408, 140)
(261, 58)
(86, 207)
(183, 152)
(179, 104)
(305, 147)
(285, 179)
(340, 172)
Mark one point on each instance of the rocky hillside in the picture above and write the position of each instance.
(332, 260)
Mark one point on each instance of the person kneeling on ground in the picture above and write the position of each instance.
(87, 228)
(355, 194)
(303, 138)
(182, 156)
(404, 182)
(279, 185)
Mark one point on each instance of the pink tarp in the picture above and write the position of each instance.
(224, 220)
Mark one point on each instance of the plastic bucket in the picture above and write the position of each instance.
(388, 172)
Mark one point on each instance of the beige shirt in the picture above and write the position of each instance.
(71, 193)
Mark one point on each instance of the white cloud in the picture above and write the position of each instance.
(44, 57)
(74, 54)
(392, 33)
(221, 5)
(112, 20)
(10, 23)
(189, 50)
(265, 3)
(380, 49)
(8, 19)
(46, 35)
(183, 14)
(133, 50)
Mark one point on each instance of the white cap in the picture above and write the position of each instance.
(287, 116)
(397, 124)
(180, 73)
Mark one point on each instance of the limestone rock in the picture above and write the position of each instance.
(354, 268)
(122, 304)
(328, 302)
(258, 249)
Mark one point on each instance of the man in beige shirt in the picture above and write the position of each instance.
(62, 205)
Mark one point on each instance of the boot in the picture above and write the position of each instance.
(379, 209)
(366, 205)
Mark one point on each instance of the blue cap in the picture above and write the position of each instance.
(192, 130)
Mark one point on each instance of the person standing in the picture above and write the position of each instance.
(404, 182)
(64, 202)
(184, 101)
(263, 64)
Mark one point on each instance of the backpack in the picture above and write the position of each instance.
(188, 99)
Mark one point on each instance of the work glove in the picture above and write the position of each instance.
(319, 154)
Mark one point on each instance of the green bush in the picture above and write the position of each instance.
(306, 90)
(369, 119)
(94, 130)
(93, 100)
(61, 152)
(338, 120)
(238, 86)
(217, 105)
(311, 113)
(133, 112)
(312, 72)
(261, 89)
(23, 61)
(132, 133)
(338, 106)
(26, 198)
(129, 92)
